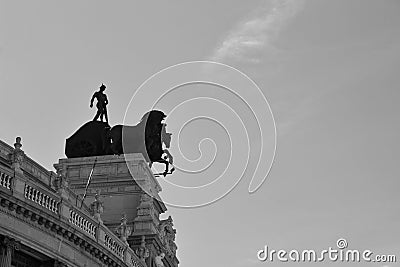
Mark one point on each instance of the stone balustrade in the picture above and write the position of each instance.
(41, 198)
(80, 218)
(83, 223)
(104, 236)
(32, 198)
(115, 245)
(5, 180)
(119, 248)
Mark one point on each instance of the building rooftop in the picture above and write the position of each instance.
(47, 219)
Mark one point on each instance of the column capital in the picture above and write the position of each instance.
(7, 247)
(10, 243)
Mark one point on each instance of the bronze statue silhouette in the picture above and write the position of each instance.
(91, 139)
(147, 137)
(101, 105)
(96, 138)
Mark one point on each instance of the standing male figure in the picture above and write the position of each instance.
(101, 105)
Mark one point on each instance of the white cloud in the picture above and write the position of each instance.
(256, 35)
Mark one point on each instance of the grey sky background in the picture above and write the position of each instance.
(329, 69)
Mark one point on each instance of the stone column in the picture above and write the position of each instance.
(7, 247)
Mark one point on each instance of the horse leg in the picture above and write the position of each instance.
(169, 159)
(166, 167)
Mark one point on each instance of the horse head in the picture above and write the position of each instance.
(165, 137)
(153, 116)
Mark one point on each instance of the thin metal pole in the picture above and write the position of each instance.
(88, 181)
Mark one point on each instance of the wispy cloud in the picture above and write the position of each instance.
(255, 35)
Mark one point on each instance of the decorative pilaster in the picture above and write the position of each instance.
(7, 247)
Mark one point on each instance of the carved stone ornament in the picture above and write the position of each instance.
(60, 182)
(142, 252)
(123, 230)
(97, 207)
(7, 248)
(146, 206)
(17, 156)
(158, 260)
(167, 235)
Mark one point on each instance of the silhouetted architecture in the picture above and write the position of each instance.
(44, 224)
(89, 140)
(147, 137)
(71, 218)
(101, 105)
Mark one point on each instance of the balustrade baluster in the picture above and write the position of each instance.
(8, 179)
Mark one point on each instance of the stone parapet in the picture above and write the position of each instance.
(108, 169)
(75, 228)
(45, 213)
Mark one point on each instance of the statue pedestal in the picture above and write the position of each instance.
(120, 187)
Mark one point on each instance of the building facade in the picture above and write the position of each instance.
(45, 220)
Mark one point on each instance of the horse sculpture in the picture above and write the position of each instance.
(138, 137)
(147, 137)
(89, 140)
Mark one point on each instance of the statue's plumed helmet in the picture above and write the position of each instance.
(102, 87)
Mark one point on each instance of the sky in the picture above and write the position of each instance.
(329, 72)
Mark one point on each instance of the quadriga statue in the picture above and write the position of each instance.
(96, 138)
